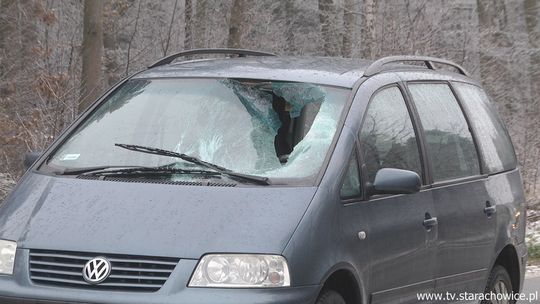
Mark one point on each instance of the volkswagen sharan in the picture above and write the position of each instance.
(245, 177)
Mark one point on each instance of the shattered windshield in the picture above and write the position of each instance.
(271, 129)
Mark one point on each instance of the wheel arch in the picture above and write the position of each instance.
(344, 279)
(508, 258)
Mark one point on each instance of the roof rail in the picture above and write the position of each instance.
(378, 65)
(239, 52)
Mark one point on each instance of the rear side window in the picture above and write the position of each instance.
(449, 142)
(387, 135)
(493, 139)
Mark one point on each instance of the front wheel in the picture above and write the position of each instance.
(330, 297)
(500, 286)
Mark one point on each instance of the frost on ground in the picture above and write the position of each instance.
(6, 184)
(533, 242)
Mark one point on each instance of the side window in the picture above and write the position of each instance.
(387, 135)
(494, 140)
(449, 142)
(351, 184)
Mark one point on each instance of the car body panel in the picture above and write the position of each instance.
(60, 213)
(466, 234)
(506, 192)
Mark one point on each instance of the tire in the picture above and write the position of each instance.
(499, 282)
(330, 297)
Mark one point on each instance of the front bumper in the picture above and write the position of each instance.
(29, 301)
(19, 289)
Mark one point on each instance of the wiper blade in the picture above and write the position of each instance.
(146, 171)
(78, 171)
(192, 159)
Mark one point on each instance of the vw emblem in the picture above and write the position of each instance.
(96, 270)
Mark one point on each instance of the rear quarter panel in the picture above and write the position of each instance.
(506, 192)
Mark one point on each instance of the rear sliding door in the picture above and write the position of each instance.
(466, 226)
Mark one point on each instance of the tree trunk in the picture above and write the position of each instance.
(326, 8)
(367, 45)
(92, 51)
(6, 27)
(349, 19)
(290, 45)
(111, 48)
(200, 24)
(188, 28)
(132, 37)
(6, 30)
(167, 43)
(236, 23)
(530, 168)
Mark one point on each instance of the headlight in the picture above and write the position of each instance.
(7, 256)
(241, 271)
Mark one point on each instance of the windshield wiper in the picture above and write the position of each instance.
(131, 170)
(83, 170)
(147, 171)
(192, 159)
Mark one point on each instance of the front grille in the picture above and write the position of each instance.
(128, 272)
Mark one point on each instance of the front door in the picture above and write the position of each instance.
(402, 228)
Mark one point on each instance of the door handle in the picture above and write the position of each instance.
(430, 222)
(490, 210)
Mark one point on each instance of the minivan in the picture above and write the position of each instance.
(253, 178)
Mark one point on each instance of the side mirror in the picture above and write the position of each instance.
(396, 181)
(30, 158)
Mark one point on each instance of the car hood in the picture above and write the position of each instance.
(60, 213)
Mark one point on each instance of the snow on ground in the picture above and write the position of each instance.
(533, 227)
(533, 271)
(533, 239)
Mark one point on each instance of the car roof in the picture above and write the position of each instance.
(332, 71)
(343, 72)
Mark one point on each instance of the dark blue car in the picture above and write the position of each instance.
(265, 179)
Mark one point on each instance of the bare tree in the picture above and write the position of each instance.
(111, 49)
(132, 37)
(6, 29)
(92, 52)
(236, 23)
(188, 28)
(290, 46)
(326, 12)
(167, 42)
(200, 23)
(349, 20)
(532, 137)
(367, 46)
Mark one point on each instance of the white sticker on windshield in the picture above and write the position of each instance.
(70, 156)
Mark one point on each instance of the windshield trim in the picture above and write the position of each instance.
(42, 165)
